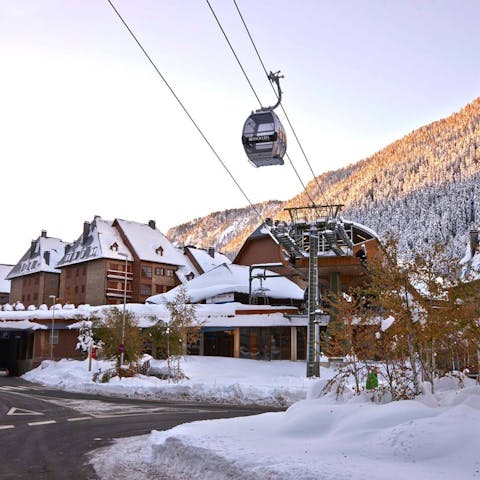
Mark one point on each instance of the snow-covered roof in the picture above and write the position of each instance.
(232, 279)
(4, 283)
(149, 243)
(21, 325)
(205, 260)
(43, 255)
(100, 240)
(209, 315)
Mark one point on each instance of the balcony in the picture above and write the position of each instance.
(119, 275)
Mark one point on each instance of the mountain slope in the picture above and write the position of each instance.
(224, 230)
(422, 188)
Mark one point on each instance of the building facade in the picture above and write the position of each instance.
(35, 278)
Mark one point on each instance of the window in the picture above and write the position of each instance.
(145, 289)
(169, 273)
(158, 288)
(35, 296)
(69, 273)
(55, 337)
(76, 288)
(147, 272)
(77, 271)
(37, 280)
(83, 288)
(84, 271)
(159, 271)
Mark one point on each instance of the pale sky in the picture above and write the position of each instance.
(88, 128)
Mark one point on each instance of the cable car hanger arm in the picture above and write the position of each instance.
(275, 78)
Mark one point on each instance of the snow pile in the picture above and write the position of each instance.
(434, 437)
(210, 379)
(322, 438)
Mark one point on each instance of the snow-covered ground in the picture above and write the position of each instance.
(318, 437)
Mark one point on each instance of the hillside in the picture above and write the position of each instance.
(225, 230)
(422, 188)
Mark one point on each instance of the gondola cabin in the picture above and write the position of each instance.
(264, 139)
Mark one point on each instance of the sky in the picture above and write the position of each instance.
(433, 437)
(89, 128)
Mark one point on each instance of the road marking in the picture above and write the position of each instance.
(22, 411)
(33, 424)
(4, 427)
(8, 388)
(78, 419)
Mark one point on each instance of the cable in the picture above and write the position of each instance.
(255, 93)
(186, 111)
(320, 190)
(234, 53)
(298, 176)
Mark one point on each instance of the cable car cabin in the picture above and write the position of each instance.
(264, 139)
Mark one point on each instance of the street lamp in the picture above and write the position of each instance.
(122, 346)
(54, 299)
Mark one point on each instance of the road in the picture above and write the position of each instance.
(47, 433)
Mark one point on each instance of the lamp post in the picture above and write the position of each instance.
(122, 346)
(54, 299)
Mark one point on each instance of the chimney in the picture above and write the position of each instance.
(67, 248)
(44, 234)
(211, 252)
(473, 241)
(32, 247)
(151, 224)
(86, 230)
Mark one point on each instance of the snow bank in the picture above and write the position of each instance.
(210, 380)
(323, 439)
(435, 437)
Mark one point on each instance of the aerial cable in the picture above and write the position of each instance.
(320, 190)
(234, 53)
(186, 111)
(269, 75)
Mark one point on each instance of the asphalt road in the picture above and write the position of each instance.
(47, 433)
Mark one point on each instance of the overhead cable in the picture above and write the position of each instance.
(254, 92)
(320, 190)
(186, 111)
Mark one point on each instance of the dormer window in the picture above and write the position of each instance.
(159, 250)
(114, 246)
